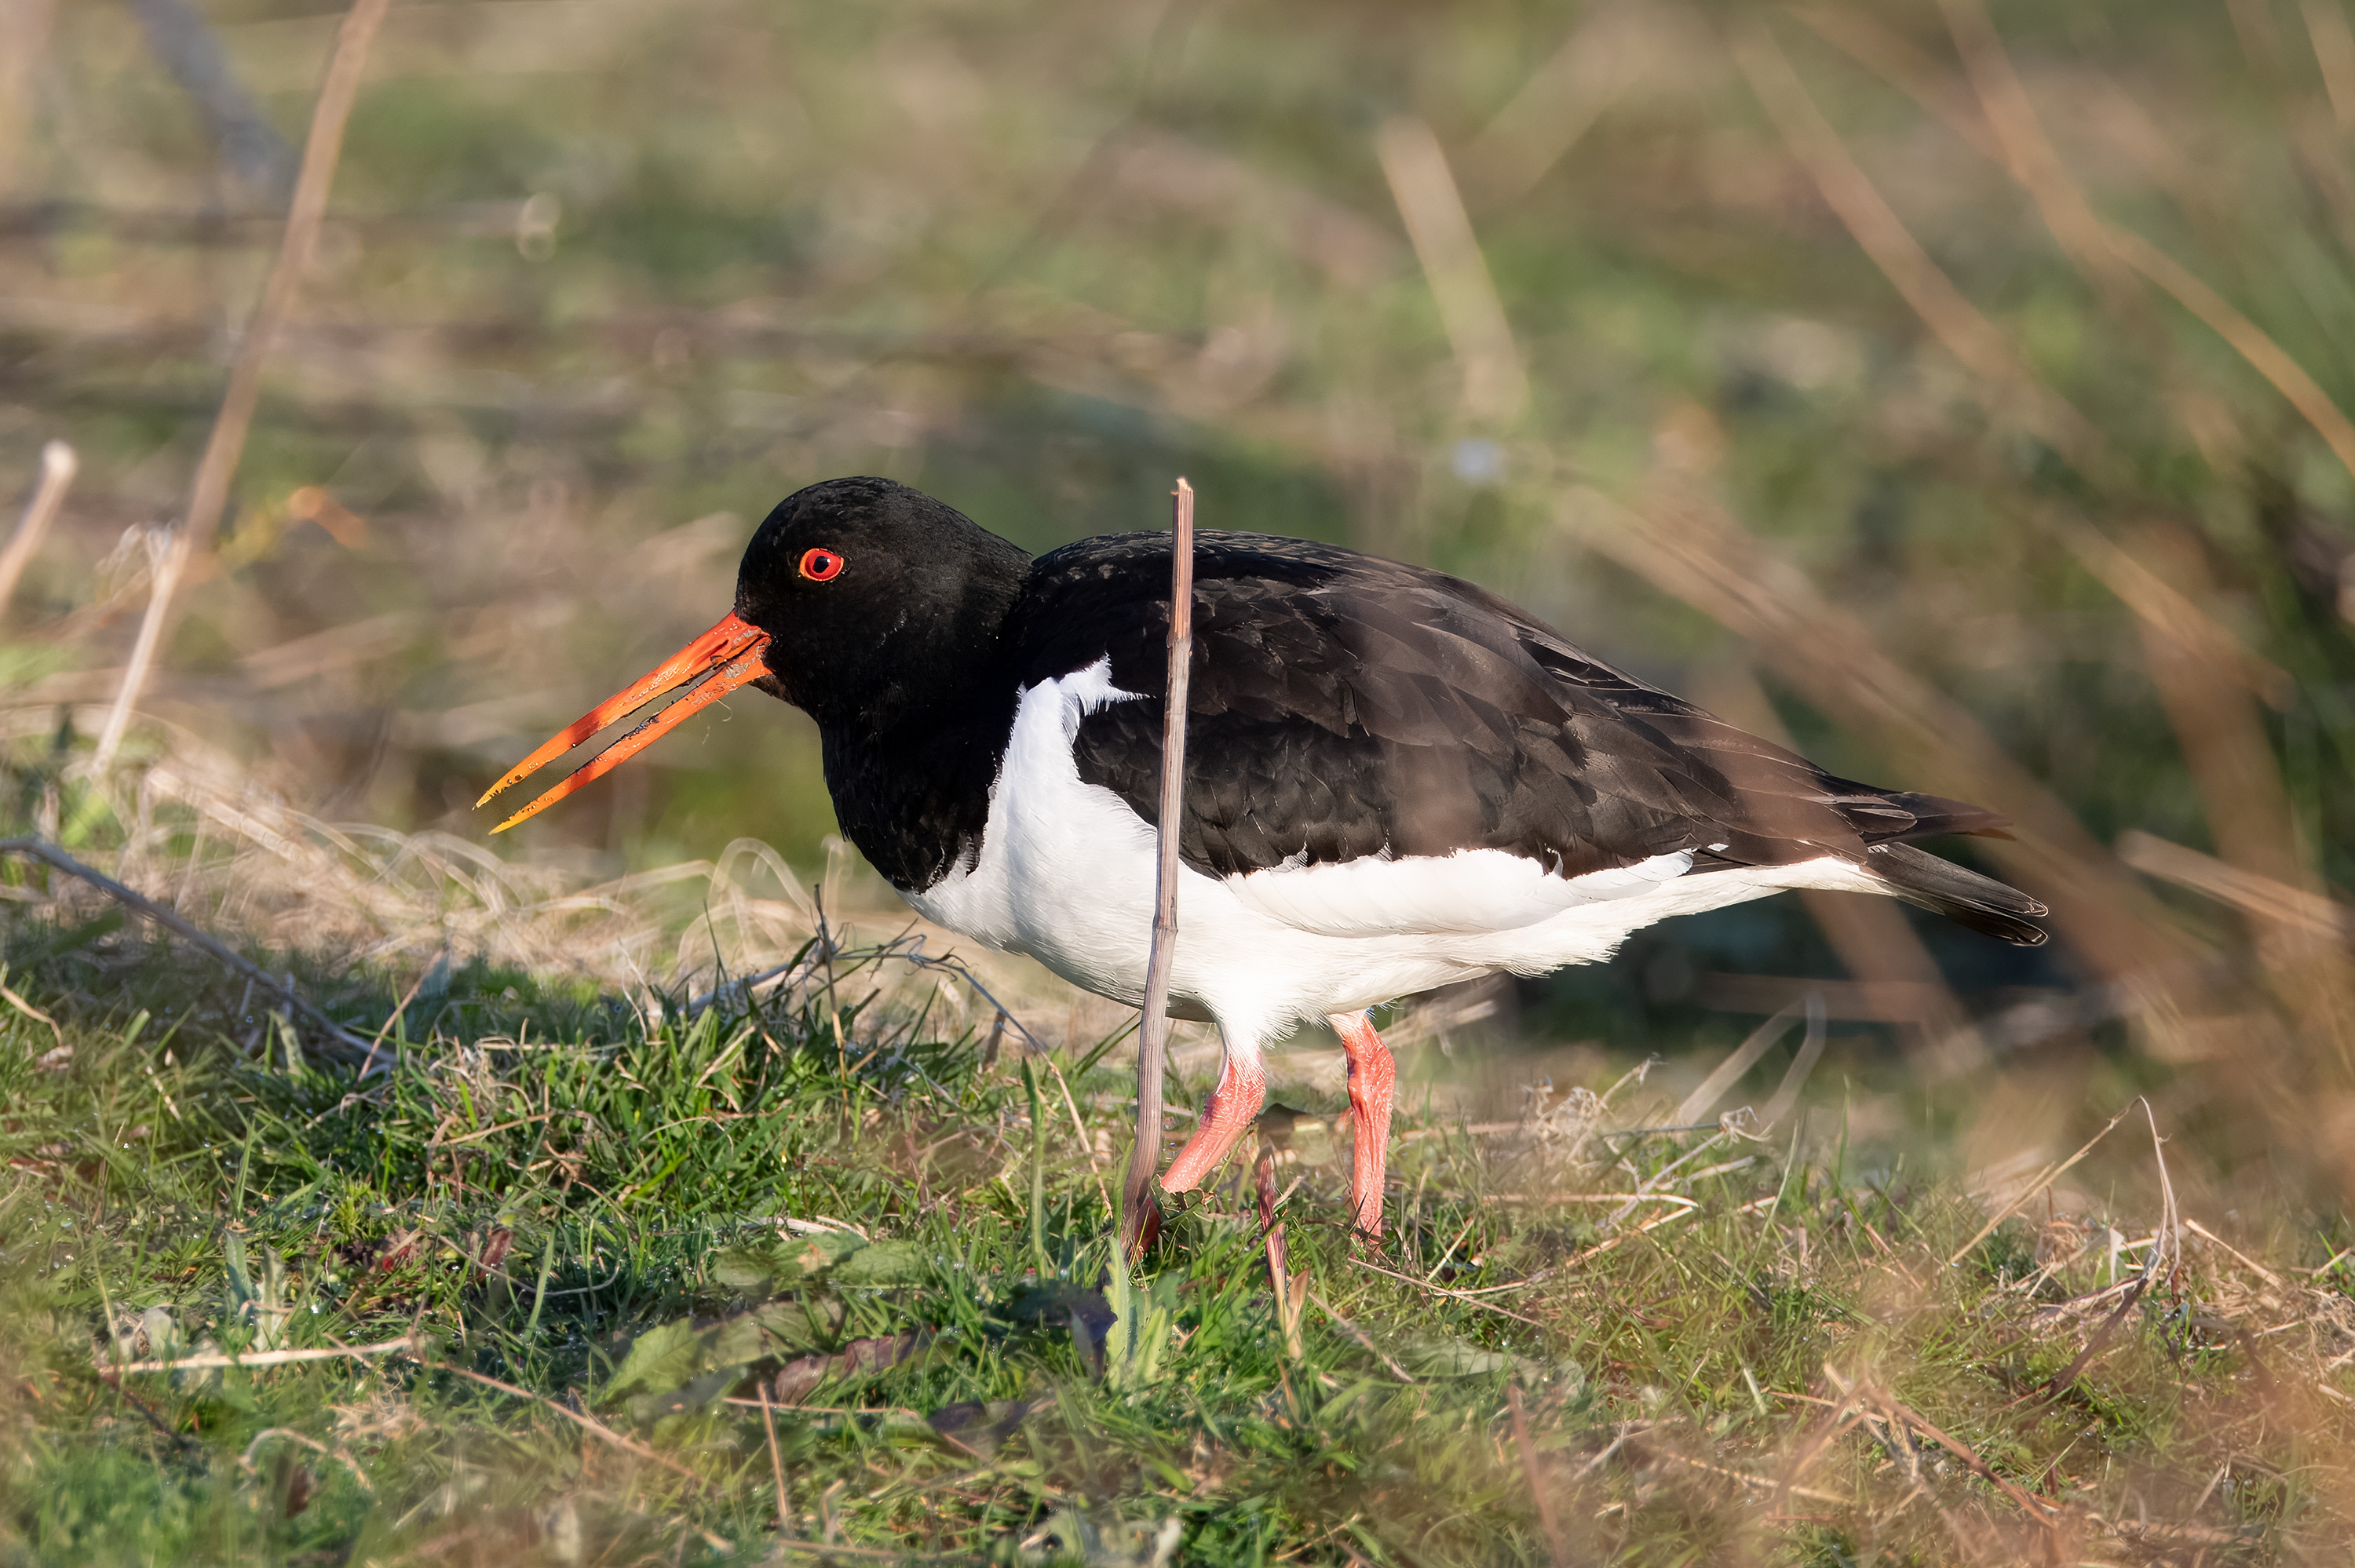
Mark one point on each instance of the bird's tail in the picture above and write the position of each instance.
(1965, 898)
(1901, 816)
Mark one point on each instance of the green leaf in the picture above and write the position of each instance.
(886, 1263)
(1140, 1333)
(1437, 1355)
(675, 1354)
(776, 1265)
(694, 1396)
(663, 1357)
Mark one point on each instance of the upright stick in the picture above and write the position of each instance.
(57, 465)
(209, 494)
(1140, 1216)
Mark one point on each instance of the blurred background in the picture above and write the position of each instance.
(1954, 387)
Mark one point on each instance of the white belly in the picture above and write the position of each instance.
(1066, 875)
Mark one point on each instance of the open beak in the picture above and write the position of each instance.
(729, 654)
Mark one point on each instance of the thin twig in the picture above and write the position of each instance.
(341, 1043)
(776, 1461)
(741, 989)
(209, 495)
(57, 465)
(1468, 1300)
(1899, 1411)
(1747, 1479)
(1362, 1338)
(1139, 1215)
(2259, 1269)
(588, 1422)
(211, 1361)
(2066, 1378)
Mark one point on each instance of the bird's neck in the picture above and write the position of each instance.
(913, 734)
(912, 789)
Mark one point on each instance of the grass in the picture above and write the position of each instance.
(607, 1230)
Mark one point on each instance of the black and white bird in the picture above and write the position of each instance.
(1394, 780)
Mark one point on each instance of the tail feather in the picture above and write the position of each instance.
(1901, 816)
(1981, 902)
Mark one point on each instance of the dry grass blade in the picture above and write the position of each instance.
(2268, 358)
(1555, 1547)
(1967, 334)
(1898, 60)
(1743, 1056)
(1362, 1338)
(2167, 1244)
(1794, 1078)
(1898, 1410)
(2245, 1261)
(29, 1010)
(1839, 1421)
(776, 1461)
(211, 1361)
(2027, 1194)
(1465, 1296)
(210, 493)
(589, 1424)
(2026, 150)
(2334, 54)
(58, 466)
(2166, 609)
(2262, 897)
(1612, 51)
(288, 1434)
(1495, 386)
(1745, 1477)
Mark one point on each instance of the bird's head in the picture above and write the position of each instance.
(858, 600)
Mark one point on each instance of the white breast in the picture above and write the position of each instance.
(1066, 875)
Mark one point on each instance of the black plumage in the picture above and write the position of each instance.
(1341, 705)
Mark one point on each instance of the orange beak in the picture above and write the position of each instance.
(729, 654)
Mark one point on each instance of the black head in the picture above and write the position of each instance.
(878, 601)
(866, 604)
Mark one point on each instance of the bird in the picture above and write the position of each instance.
(1394, 780)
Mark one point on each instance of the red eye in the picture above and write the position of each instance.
(821, 565)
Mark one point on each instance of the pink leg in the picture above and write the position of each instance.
(1242, 1089)
(1373, 1078)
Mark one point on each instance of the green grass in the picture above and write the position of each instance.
(567, 1198)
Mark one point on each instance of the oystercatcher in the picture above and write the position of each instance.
(1394, 780)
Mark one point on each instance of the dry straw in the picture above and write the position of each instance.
(208, 494)
(58, 466)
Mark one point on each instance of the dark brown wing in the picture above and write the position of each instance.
(1340, 706)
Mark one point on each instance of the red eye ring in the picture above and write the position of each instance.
(821, 564)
